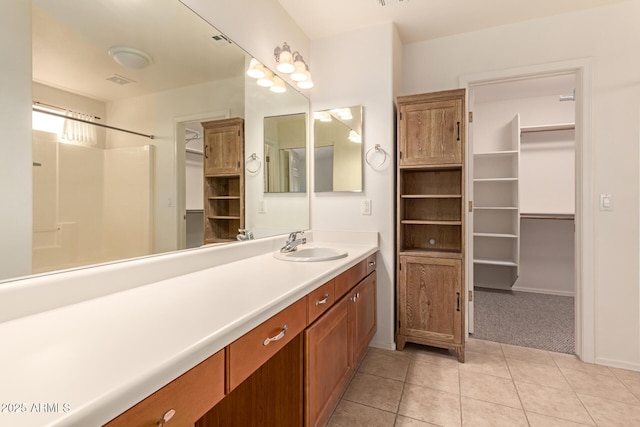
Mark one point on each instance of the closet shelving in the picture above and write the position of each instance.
(496, 212)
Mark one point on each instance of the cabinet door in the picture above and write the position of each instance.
(431, 133)
(430, 298)
(328, 363)
(362, 315)
(223, 148)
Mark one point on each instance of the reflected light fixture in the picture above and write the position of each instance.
(129, 57)
(256, 69)
(267, 79)
(278, 85)
(300, 73)
(355, 137)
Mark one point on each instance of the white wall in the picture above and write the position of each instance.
(608, 35)
(15, 122)
(366, 79)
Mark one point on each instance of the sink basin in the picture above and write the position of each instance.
(312, 254)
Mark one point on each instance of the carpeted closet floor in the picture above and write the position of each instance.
(525, 319)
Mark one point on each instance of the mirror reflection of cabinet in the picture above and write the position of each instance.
(285, 153)
(338, 149)
(223, 179)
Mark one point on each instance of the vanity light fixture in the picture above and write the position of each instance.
(129, 57)
(293, 64)
(355, 137)
(284, 58)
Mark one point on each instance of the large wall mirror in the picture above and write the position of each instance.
(154, 68)
(285, 154)
(338, 149)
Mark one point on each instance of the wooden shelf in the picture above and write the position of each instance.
(431, 253)
(431, 196)
(224, 198)
(428, 222)
(224, 217)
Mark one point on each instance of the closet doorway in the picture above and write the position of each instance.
(522, 172)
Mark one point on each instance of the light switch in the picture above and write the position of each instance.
(606, 202)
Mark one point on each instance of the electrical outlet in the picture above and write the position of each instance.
(262, 207)
(606, 202)
(366, 207)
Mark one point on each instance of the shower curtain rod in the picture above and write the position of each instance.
(41, 110)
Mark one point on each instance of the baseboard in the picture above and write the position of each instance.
(383, 345)
(544, 291)
(618, 364)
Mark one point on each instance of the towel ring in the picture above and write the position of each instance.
(377, 150)
(253, 158)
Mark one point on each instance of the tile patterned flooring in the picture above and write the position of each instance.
(498, 385)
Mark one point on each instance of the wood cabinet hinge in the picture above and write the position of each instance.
(470, 116)
(470, 206)
(401, 154)
(470, 296)
(400, 115)
(238, 132)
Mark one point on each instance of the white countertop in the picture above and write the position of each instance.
(83, 364)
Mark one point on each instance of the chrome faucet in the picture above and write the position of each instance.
(244, 234)
(293, 242)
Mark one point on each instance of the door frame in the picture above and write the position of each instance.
(584, 218)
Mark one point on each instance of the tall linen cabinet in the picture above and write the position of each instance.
(430, 244)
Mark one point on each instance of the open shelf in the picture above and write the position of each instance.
(502, 262)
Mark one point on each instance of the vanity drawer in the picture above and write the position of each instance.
(190, 395)
(371, 263)
(320, 300)
(350, 278)
(253, 349)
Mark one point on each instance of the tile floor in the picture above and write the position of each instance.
(498, 385)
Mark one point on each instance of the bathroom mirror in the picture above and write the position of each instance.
(338, 149)
(119, 195)
(285, 154)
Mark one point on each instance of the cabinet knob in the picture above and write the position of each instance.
(166, 417)
(278, 337)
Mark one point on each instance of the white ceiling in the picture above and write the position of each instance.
(419, 20)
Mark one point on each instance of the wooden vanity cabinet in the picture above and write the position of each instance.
(190, 395)
(431, 220)
(337, 342)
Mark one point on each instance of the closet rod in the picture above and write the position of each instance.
(40, 110)
(547, 216)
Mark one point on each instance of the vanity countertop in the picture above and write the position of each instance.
(85, 363)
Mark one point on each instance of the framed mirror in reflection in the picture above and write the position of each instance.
(155, 68)
(285, 154)
(338, 149)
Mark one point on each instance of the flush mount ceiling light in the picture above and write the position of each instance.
(129, 57)
(391, 2)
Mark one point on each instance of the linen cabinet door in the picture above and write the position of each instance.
(431, 133)
(223, 146)
(328, 363)
(431, 300)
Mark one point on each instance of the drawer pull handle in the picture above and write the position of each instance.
(372, 263)
(355, 297)
(166, 417)
(277, 337)
(323, 300)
